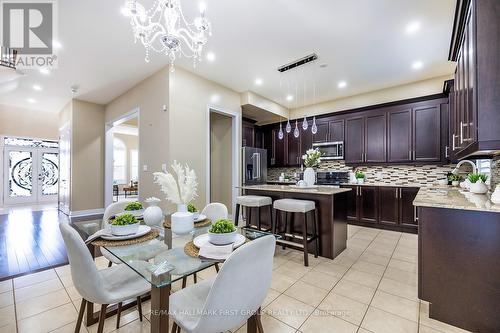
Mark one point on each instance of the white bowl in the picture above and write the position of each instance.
(122, 230)
(136, 213)
(222, 239)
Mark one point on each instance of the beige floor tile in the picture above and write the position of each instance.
(39, 304)
(362, 330)
(379, 252)
(436, 324)
(48, 320)
(101, 262)
(321, 280)
(399, 289)
(70, 328)
(38, 289)
(400, 306)
(289, 310)
(271, 296)
(7, 315)
(66, 280)
(403, 265)
(425, 329)
(135, 327)
(299, 259)
(278, 261)
(73, 293)
(354, 291)
(306, 293)
(327, 324)
(379, 321)
(329, 267)
(375, 259)
(5, 286)
(31, 279)
(368, 267)
(409, 278)
(281, 282)
(9, 328)
(344, 308)
(6, 298)
(63, 270)
(293, 270)
(270, 325)
(358, 242)
(366, 279)
(205, 274)
(405, 257)
(110, 323)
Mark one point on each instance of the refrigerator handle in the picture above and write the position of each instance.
(258, 166)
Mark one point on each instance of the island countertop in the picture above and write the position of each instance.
(454, 198)
(323, 190)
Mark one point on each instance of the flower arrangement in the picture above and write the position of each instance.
(311, 158)
(180, 191)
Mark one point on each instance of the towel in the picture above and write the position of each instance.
(215, 252)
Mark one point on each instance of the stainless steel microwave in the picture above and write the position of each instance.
(331, 150)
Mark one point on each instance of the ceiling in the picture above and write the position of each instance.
(362, 42)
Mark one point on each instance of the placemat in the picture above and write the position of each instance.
(204, 223)
(191, 250)
(150, 235)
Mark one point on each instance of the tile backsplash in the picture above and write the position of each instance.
(495, 172)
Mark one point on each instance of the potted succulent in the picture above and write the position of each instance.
(135, 208)
(193, 210)
(360, 177)
(455, 179)
(125, 224)
(477, 183)
(222, 232)
(311, 158)
(180, 191)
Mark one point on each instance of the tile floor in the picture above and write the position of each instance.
(370, 287)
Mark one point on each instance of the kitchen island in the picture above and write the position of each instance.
(458, 258)
(331, 203)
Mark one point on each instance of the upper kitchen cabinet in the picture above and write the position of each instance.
(355, 140)
(322, 133)
(306, 140)
(248, 135)
(427, 133)
(275, 147)
(399, 135)
(293, 145)
(336, 130)
(476, 101)
(375, 137)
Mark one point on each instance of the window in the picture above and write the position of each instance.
(134, 165)
(119, 162)
(483, 166)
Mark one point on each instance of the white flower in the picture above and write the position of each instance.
(181, 191)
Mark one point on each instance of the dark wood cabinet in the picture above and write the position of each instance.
(306, 141)
(388, 205)
(336, 130)
(375, 138)
(293, 150)
(399, 135)
(322, 133)
(355, 140)
(368, 204)
(352, 203)
(275, 148)
(248, 135)
(427, 134)
(407, 212)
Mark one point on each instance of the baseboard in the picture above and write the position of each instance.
(87, 212)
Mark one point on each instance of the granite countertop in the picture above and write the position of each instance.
(454, 198)
(324, 190)
(387, 185)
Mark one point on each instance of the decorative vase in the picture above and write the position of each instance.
(182, 221)
(360, 180)
(153, 215)
(309, 176)
(495, 196)
(478, 187)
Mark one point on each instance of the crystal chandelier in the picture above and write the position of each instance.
(163, 29)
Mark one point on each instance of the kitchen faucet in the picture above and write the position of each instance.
(455, 171)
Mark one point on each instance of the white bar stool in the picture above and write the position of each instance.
(293, 206)
(253, 201)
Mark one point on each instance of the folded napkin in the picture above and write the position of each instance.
(215, 252)
(98, 234)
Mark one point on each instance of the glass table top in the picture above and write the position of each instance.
(161, 261)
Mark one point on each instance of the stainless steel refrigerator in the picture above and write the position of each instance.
(254, 166)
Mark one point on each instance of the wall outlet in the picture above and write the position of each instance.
(145, 167)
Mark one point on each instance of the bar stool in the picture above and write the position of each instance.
(253, 201)
(294, 206)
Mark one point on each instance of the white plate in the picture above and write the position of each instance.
(304, 187)
(203, 239)
(200, 218)
(143, 229)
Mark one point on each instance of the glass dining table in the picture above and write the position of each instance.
(161, 262)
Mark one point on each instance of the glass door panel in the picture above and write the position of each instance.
(48, 175)
(19, 185)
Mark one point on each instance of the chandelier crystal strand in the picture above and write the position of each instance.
(296, 132)
(288, 127)
(280, 133)
(164, 29)
(314, 128)
(304, 123)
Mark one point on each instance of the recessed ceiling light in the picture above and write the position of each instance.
(258, 82)
(342, 84)
(210, 56)
(56, 44)
(44, 70)
(417, 65)
(323, 65)
(31, 100)
(412, 27)
(37, 87)
(289, 98)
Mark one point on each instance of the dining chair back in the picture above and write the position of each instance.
(215, 211)
(240, 287)
(112, 210)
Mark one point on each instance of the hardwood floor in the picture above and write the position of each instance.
(30, 241)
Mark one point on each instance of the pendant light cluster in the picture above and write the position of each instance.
(296, 131)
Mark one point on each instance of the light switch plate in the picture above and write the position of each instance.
(145, 167)
(164, 167)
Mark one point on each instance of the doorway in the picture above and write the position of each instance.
(31, 171)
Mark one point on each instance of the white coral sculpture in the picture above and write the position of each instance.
(181, 191)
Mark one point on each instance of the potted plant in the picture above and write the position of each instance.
(179, 191)
(360, 177)
(311, 158)
(135, 208)
(153, 215)
(125, 224)
(192, 209)
(477, 183)
(222, 232)
(455, 179)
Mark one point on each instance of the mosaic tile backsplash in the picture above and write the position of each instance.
(495, 172)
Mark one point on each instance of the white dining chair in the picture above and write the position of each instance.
(230, 298)
(107, 286)
(110, 211)
(215, 211)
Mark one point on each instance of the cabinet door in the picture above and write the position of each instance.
(388, 205)
(306, 140)
(259, 138)
(427, 133)
(368, 207)
(279, 149)
(399, 136)
(375, 138)
(293, 156)
(322, 133)
(408, 212)
(352, 203)
(336, 130)
(248, 135)
(355, 140)
(471, 85)
(268, 145)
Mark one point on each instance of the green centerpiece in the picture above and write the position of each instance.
(136, 205)
(222, 232)
(124, 224)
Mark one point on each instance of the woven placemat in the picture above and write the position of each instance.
(191, 250)
(150, 235)
(204, 223)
